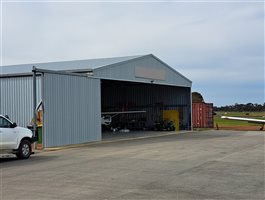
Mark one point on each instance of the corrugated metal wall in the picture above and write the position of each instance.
(123, 96)
(202, 115)
(72, 109)
(17, 98)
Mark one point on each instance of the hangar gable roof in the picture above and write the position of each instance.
(143, 68)
(72, 66)
(146, 69)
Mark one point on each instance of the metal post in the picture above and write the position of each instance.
(191, 125)
(34, 102)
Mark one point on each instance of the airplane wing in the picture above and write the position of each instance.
(257, 121)
(122, 112)
(106, 117)
(250, 120)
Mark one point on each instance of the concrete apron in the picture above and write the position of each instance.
(111, 137)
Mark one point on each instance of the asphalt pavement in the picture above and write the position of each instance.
(194, 165)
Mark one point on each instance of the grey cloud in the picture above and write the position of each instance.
(201, 40)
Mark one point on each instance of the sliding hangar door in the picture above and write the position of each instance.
(71, 109)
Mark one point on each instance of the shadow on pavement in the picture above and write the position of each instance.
(11, 160)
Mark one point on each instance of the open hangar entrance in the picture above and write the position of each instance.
(148, 104)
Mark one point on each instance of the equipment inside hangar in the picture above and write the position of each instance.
(126, 93)
(142, 106)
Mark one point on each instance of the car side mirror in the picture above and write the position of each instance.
(14, 125)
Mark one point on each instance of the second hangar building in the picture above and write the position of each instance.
(74, 95)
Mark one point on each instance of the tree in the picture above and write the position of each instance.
(197, 98)
(248, 107)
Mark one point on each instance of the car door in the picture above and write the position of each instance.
(8, 135)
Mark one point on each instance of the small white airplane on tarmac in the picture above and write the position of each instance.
(250, 120)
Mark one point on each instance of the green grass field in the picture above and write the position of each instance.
(226, 123)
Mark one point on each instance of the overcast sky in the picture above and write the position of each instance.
(219, 46)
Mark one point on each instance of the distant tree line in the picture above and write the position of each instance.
(249, 107)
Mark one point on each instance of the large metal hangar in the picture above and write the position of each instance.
(135, 92)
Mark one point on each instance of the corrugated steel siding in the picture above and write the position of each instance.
(202, 115)
(72, 110)
(126, 71)
(17, 98)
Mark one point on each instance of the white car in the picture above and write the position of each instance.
(15, 139)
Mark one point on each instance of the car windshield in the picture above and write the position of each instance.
(4, 123)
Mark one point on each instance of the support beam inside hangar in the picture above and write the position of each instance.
(121, 96)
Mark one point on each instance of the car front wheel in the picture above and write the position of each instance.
(24, 150)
